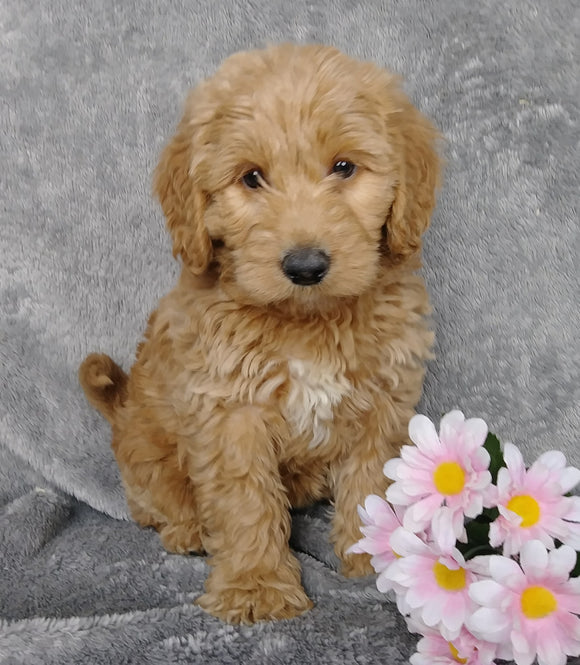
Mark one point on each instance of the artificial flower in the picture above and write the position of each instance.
(379, 521)
(531, 606)
(488, 607)
(434, 649)
(532, 504)
(443, 478)
(432, 585)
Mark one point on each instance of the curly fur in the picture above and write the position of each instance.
(251, 394)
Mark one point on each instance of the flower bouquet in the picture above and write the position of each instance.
(480, 552)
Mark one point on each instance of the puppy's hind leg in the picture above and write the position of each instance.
(159, 492)
(305, 483)
(180, 535)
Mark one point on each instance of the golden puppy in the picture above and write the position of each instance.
(285, 365)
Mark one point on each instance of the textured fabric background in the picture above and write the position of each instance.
(90, 91)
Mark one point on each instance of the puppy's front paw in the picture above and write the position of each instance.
(356, 565)
(265, 602)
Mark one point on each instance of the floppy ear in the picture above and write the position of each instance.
(418, 180)
(183, 200)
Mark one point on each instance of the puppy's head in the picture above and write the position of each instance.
(299, 175)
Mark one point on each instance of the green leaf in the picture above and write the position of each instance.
(488, 515)
(493, 447)
(477, 540)
(480, 550)
(576, 570)
(464, 548)
(477, 532)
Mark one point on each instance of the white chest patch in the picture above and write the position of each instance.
(314, 392)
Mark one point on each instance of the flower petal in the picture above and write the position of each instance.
(408, 472)
(489, 624)
(459, 526)
(356, 549)
(513, 543)
(416, 487)
(453, 616)
(504, 570)
(573, 510)
(515, 462)
(451, 428)
(402, 605)
(523, 652)
(488, 593)
(382, 561)
(419, 658)
(561, 561)
(475, 432)
(496, 534)
(391, 467)
(416, 599)
(443, 529)
(572, 537)
(374, 546)
(480, 565)
(512, 518)
(549, 649)
(431, 612)
(376, 508)
(414, 458)
(415, 625)
(504, 481)
(534, 558)
(481, 480)
(423, 434)
(383, 582)
(364, 516)
(475, 506)
(405, 543)
(569, 478)
(421, 513)
(504, 651)
(397, 495)
(553, 459)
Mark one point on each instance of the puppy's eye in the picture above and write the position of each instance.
(343, 168)
(253, 179)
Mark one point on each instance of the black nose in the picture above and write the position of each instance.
(306, 266)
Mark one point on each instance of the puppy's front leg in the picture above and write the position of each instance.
(360, 474)
(245, 515)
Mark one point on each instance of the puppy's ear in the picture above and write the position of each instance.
(183, 200)
(417, 183)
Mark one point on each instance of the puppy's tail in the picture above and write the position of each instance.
(104, 383)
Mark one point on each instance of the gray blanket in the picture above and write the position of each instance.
(89, 93)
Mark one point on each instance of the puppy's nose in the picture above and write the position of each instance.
(306, 265)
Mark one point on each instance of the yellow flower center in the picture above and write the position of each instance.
(455, 654)
(450, 580)
(538, 602)
(526, 507)
(449, 478)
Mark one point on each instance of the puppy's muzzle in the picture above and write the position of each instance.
(306, 266)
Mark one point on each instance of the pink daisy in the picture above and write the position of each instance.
(434, 649)
(532, 504)
(443, 478)
(532, 608)
(379, 521)
(433, 586)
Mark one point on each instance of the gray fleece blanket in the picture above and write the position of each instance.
(89, 93)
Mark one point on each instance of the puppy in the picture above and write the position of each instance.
(284, 366)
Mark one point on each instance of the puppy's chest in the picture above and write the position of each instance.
(314, 391)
